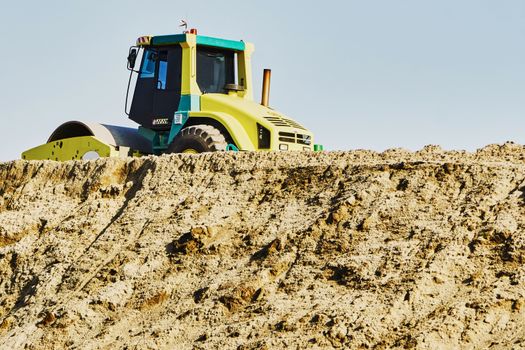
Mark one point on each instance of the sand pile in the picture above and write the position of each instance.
(265, 251)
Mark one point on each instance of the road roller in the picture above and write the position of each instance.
(188, 93)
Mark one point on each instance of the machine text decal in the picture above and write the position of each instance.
(160, 121)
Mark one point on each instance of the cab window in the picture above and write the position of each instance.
(148, 64)
(215, 69)
(163, 70)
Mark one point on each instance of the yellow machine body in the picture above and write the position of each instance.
(240, 116)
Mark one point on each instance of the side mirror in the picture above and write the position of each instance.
(132, 58)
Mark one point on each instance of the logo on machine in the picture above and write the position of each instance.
(160, 121)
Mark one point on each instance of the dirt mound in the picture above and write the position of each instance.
(265, 250)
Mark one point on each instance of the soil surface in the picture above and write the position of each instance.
(265, 251)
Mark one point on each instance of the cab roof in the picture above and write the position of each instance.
(162, 40)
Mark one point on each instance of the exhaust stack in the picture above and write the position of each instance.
(265, 99)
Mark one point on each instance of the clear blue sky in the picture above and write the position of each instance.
(370, 74)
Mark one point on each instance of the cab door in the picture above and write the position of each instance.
(142, 103)
(168, 87)
(157, 91)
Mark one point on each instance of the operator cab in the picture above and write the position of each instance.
(157, 94)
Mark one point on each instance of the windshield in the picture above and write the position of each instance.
(215, 69)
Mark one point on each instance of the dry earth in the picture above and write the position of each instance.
(265, 251)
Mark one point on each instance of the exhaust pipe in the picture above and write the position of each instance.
(265, 99)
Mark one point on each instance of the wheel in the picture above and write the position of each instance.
(198, 139)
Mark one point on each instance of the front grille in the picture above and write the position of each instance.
(295, 138)
(280, 121)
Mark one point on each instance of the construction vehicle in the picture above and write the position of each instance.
(192, 94)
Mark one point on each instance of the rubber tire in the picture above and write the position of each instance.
(201, 138)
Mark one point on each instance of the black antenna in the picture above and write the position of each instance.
(184, 23)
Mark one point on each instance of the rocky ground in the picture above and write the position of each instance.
(265, 251)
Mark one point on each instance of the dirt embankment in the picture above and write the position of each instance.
(265, 251)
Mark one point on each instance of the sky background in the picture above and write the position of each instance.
(372, 74)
